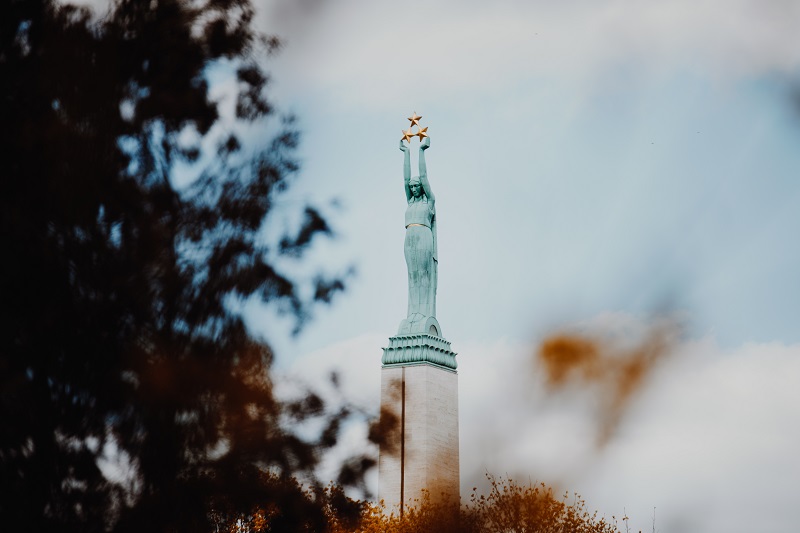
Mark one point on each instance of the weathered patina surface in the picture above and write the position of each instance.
(420, 247)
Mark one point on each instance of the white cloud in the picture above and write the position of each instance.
(378, 52)
(711, 442)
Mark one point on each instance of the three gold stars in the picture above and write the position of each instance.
(421, 132)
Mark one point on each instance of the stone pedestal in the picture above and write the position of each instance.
(419, 390)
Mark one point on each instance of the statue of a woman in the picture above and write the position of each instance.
(420, 247)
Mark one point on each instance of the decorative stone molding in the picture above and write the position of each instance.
(421, 348)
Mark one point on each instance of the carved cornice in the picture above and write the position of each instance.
(420, 348)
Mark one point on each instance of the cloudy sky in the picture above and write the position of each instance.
(595, 163)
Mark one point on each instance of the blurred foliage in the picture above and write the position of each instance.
(508, 508)
(131, 398)
(614, 374)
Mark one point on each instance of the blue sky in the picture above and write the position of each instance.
(594, 163)
(609, 182)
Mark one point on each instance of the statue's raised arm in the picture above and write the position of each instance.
(423, 171)
(406, 169)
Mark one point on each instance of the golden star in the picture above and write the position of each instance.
(414, 119)
(407, 135)
(421, 133)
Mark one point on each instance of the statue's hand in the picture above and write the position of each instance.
(403, 147)
(425, 144)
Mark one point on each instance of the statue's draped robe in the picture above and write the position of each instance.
(421, 257)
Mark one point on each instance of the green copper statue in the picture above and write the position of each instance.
(420, 247)
(419, 339)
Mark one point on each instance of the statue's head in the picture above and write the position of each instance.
(416, 187)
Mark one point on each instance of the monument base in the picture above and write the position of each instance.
(419, 404)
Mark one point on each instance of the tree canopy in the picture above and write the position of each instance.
(131, 398)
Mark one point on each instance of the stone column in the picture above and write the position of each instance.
(419, 390)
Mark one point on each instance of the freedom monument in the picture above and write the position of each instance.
(419, 382)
